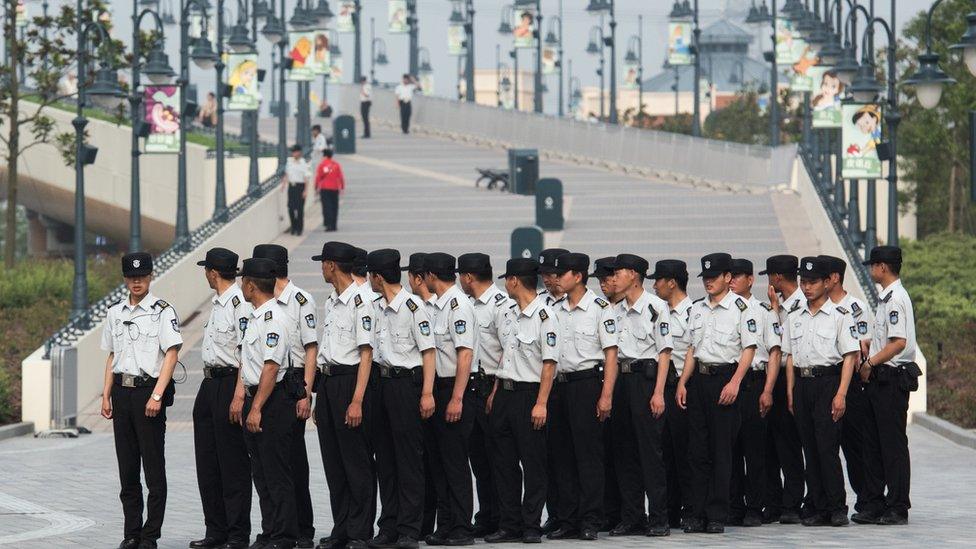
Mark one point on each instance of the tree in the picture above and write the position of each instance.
(935, 143)
(740, 121)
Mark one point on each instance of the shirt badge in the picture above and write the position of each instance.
(751, 325)
(543, 314)
(136, 263)
(235, 301)
(310, 321)
(610, 326)
(862, 327)
(853, 332)
(272, 339)
(460, 327)
(367, 323)
(300, 298)
(893, 317)
(777, 329)
(454, 303)
(708, 264)
(176, 325)
(665, 329)
(243, 323)
(267, 316)
(412, 306)
(358, 300)
(551, 339)
(741, 304)
(424, 328)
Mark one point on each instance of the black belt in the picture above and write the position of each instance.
(714, 368)
(131, 381)
(637, 366)
(339, 369)
(253, 389)
(820, 371)
(448, 382)
(397, 372)
(589, 373)
(512, 385)
(215, 372)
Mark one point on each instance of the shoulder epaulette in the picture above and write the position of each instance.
(411, 305)
(513, 305)
(300, 298)
(161, 304)
(377, 298)
(699, 299)
(601, 302)
(741, 304)
(796, 306)
(358, 300)
(766, 306)
(842, 310)
(653, 311)
(887, 297)
(454, 303)
(267, 316)
(543, 314)
(116, 303)
(856, 309)
(499, 297)
(235, 301)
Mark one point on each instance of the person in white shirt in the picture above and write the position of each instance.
(365, 102)
(296, 179)
(404, 95)
(319, 144)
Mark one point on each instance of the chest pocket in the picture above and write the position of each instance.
(587, 341)
(826, 340)
(118, 337)
(223, 332)
(401, 339)
(526, 344)
(724, 333)
(442, 335)
(148, 334)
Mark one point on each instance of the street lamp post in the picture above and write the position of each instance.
(608, 7)
(412, 23)
(274, 32)
(240, 41)
(635, 54)
(759, 16)
(357, 59)
(595, 46)
(554, 41)
(377, 51)
(469, 92)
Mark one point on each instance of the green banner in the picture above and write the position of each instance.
(860, 136)
(825, 105)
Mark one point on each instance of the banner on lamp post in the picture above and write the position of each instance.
(789, 46)
(679, 43)
(550, 58)
(631, 76)
(344, 22)
(523, 27)
(162, 106)
(321, 61)
(335, 70)
(455, 40)
(242, 79)
(300, 52)
(860, 137)
(825, 105)
(396, 16)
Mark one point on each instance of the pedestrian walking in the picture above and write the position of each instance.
(330, 183)
(404, 95)
(365, 103)
(296, 181)
(319, 143)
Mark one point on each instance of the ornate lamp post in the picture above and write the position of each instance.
(377, 51)
(607, 7)
(635, 55)
(554, 39)
(597, 45)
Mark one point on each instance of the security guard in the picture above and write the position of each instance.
(417, 280)
(581, 399)
(892, 373)
(671, 284)
(359, 267)
(645, 365)
(223, 471)
(142, 337)
(603, 272)
(299, 308)
(269, 405)
(456, 337)
(344, 405)
(406, 359)
(297, 178)
(784, 495)
(518, 407)
(492, 310)
(547, 268)
(854, 430)
(723, 335)
(755, 399)
(824, 349)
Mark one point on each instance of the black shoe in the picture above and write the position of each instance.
(563, 533)
(382, 541)
(588, 534)
(694, 526)
(659, 531)
(839, 518)
(147, 544)
(482, 530)
(331, 542)
(259, 543)
(892, 518)
(435, 539)
(817, 519)
(457, 541)
(752, 519)
(129, 543)
(304, 543)
(789, 517)
(532, 537)
(407, 542)
(736, 520)
(865, 517)
(769, 516)
(503, 536)
(550, 526)
(207, 542)
(234, 545)
(355, 544)
(715, 528)
(626, 529)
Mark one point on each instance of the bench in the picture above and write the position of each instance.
(494, 177)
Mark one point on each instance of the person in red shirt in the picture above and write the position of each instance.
(330, 182)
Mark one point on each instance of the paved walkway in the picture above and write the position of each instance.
(416, 194)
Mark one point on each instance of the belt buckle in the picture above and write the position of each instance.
(326, 369)
(561, 378)
(128, 380)
(625, 368)
(703, 369)
(806, 372)
(208, 372)
(508, 385)
(384, 371)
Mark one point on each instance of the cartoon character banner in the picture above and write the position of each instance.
(396, 15)
(860, 135)
(825, 104)
(163, 116)
(802, 80)
(679, 43)
(789, 46)
(523, 27)
(321, 61)
(22, 16)
(335, 70)
(242, 78)
(550, 58)
(455, 40)
(630, 76)
(427, 83)
(344, 21)
(300, 53)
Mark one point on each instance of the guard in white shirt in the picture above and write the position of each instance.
(365, 103)
(645, 365)
(142, 337)
(299, 308)
(297, 179)
(344, 405)
(406, 359)
(755, 400)
(269, 404)
(603, 272)
(892, 373)
(784, 495)
(456, 336)
(223, 470)
(824, 349)
(581, 399)
(723, 343)
(404, 94)
(671, 284)
(492, 309)
(518, 407)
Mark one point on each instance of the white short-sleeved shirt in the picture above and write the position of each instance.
(790, 305)
(860, 312)
(492, 310)
(587, 330)
(821, 339)
(645, 329)
(534, 340)
(320, 143)
(680, 332)
(265, 340)
(140, 335)
(366, 92)
(347, 325)
(225, 328)
(455, 327)
(403, 331)
(297, 171)
(721, 332)
(404, 92)
(769, 332)
(895, 318)
(300, 317)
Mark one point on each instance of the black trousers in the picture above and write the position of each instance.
(450, 471)
(479, 453)
(748, 486)
(853, 434)
(400, 457)
(330, 209)
(783, 454)
(223, 470)
(638, 451)
(712, 429)
(820, 436)
(271, 467)
(139, 441)
(611, 491)
(517, 444)
(575, 434)
(299, 475)
(364, 107)
(886, 458)
(347, 458)
(675, 437)
(434, 518)
(296, 207)
(405, 111)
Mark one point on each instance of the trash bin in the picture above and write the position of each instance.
(523, 169)
(527, 242)
(344, 135)
(549, 204)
